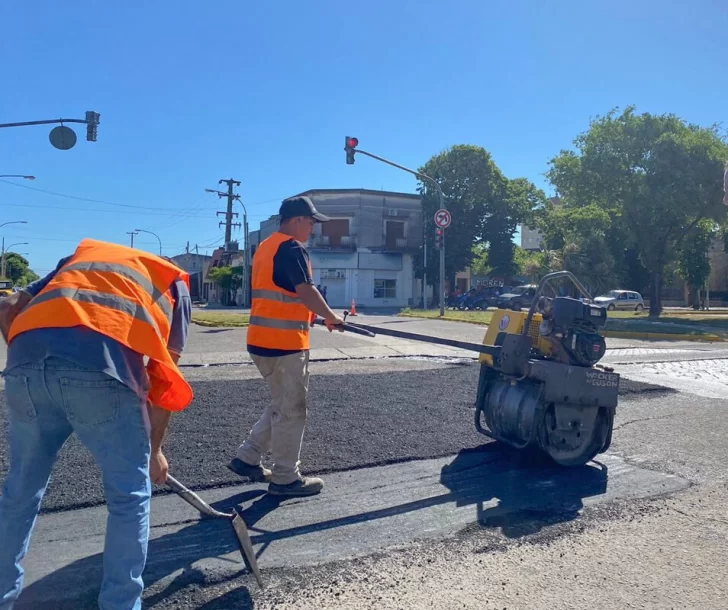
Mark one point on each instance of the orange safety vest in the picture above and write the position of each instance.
(278, 318)
(124, 294)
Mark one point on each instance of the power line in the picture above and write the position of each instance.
(123, 205)
(97, 210)
(86, 199)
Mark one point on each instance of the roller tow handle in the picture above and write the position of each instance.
(349, 327)
(373, 331)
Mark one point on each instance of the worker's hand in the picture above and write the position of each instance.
(158, 468)
(333, 322)
(10, 307)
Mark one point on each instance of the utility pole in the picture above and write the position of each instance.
(202, 272)
(3, 268)
(132, 233)
(229, 224)
(424, 262)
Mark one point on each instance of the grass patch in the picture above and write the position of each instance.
(691, 323)
(473, 317)
(220, 319)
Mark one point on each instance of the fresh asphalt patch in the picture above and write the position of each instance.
(361, 413)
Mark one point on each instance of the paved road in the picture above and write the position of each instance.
(406, 469)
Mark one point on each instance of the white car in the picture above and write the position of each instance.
(621, 299)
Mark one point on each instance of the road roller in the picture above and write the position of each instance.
(541, 387)
(556, 399)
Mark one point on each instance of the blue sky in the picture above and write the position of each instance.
(193, 92)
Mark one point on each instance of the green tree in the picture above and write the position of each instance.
(480, 265)
(656, 176)
(17, 269)
(534, 265)
(28, 277)
(486, 209)
(693, 264)
(228, 278)
(577, 241)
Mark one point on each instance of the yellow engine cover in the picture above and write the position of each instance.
(507, 321)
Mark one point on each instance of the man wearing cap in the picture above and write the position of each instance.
(284, 298)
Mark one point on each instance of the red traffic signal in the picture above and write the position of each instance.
(439, 237)
(349, 145)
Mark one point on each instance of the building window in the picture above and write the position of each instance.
(394, 234)
(334, 230)
(385, 289)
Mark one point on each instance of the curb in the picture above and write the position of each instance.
(647, 336)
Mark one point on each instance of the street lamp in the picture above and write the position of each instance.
(14, 222)
(11, 222)
(155, 235)
(17, 176)
(20, 243)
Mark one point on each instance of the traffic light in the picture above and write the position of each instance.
(92, 122)
(350, 145)
(439, 237)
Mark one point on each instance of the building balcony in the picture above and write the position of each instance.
(400, 244)
(333, 242)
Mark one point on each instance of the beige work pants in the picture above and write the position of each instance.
(281, 426)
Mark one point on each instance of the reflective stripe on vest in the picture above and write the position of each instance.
(124, 294)
(278, 318)
(276, 323)
(111, 301)
(129, 274)
(272, 295)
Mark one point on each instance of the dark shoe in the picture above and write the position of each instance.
(307, 486)
(256, 473)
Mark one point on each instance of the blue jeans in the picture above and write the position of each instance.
(47, 401)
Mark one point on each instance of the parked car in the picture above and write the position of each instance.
(517, 298)
(6, 288)
(621, 299)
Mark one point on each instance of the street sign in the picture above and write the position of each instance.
(62, 137)
(443, 218)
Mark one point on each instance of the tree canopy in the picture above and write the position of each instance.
(18, 269)
(486, 208)
(655, 176)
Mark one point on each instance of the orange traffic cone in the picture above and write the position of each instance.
(353, 308)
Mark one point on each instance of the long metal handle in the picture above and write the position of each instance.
(236, 520)
(193, 499)
(349, 327)
(372, 331)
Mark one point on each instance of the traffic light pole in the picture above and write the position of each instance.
(91, 121)
(442, 206)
